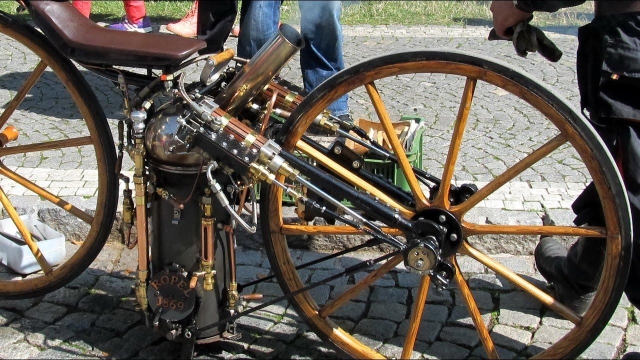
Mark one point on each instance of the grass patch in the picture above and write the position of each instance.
(356, 12)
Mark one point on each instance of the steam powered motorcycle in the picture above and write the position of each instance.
(201, 146)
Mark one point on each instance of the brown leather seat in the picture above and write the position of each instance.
(85, 41)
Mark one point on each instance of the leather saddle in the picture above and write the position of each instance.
(82, 40)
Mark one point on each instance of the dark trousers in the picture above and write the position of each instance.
(608, 69)
(215, 21)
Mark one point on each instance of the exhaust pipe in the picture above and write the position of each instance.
(259, 71)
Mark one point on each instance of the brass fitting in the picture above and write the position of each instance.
(141, 290)
(288, 171)
(261, 173)
(233, 294)
(207, 268)
(323, 121)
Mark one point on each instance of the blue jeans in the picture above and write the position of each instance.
(321, 56)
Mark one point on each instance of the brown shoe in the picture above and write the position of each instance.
(188, 25)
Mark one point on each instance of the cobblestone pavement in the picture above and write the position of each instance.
(94, 315)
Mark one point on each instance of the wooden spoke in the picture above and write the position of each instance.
(416, 317)
(26, 235)
(586, 231)
(351, 178)
(508, 175)
(290, 229)
(45, 194)
(467, 296)
(398, 150)
(50, 145)
(517, 280)
(442, 198)
(22, 92)
(334, 304)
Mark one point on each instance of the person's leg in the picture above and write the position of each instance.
(258, 23)
(84, 6)
(135, 10)
(322, 55)
(215, 20)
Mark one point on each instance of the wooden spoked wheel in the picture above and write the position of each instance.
(488, 125)
(57, 177)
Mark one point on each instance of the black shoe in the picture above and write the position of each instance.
(631, 356)
(550, 256)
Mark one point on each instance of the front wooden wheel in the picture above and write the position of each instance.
(57, 180)
(488, 125)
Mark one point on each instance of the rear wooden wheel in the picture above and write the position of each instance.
(59, 171)
(489, 125)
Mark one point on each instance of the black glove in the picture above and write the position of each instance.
(527, 38)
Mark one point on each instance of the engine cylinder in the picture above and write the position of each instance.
(165, 151)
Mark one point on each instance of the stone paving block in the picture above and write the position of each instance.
(18, 305)
(256, 322)
(167, 349)
(503, 353)
(114, 286)
(393, 348)
(633, 334)
(427, 331)
(599, 350)
(20, 350)
(84, 280)
(91, 338)
(389, 294)
(320, 294)
(340, 289)
(266, 347)
(611, 335)
(246, 274)
(46, 312)
(27, 325)
(62, 353)
(98, 303)
(351, 311)
(554, 320)
(248, 257)
(536, 348)
(269, 289)
(469, 265)
(510, 338)
(489, 282)
(127, 265)
(319, 275)
(50, 336)
(519, 300)
(460, 336)
(483, 299)
(387, 311)
(78, 322)
(385, 281)
(460, 316)
(444, 350)
(66, 296)
(549, 334)
(521, 318)
(9, 336)
(620, 318)
(378, 329)
(6, 317)
(517, 264)
(119, 320)
(309, 256)
(284, 332)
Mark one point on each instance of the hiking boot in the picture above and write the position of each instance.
(188, 25)
(550, 256)
(143, 25)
